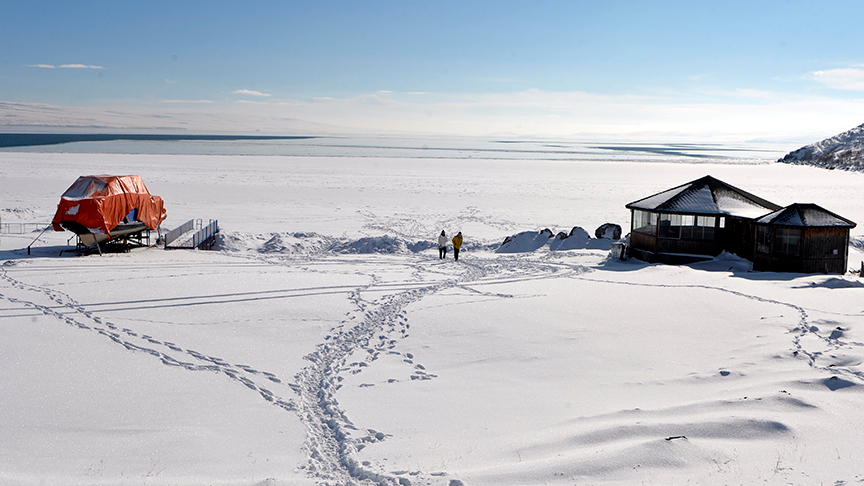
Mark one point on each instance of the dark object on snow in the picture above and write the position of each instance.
(618, 250)
(695, 221)
(802, 238)
(703, 218)
(608, 231)
(676, 437)
(109, 209)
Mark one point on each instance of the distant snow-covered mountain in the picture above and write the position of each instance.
(843, 151)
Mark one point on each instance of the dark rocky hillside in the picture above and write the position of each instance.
(843, 151)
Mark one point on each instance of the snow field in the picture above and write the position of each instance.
(313, 350)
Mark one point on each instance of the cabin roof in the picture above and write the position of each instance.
(706, 196)
(809, 215)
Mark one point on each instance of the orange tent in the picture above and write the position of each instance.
(99, 203)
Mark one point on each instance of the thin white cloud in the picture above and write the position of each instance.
(742, 114)
(250, 92)
(851, 79)
(65, 66)
(186, 101)
(80, 66)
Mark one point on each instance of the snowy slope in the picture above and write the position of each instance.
(843, 151)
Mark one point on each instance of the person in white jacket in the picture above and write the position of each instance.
(442, 245)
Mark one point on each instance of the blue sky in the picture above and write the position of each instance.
(736, 69)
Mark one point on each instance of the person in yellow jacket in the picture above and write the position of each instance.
(457, 243)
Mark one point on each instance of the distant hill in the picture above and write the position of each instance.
(843, 151)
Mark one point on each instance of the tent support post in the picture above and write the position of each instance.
(37, 239)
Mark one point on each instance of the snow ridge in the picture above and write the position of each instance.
(844, 151)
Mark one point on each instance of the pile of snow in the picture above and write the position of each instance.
(843, 151)
(296, 243)
(310, 243)
(577, 238)
(837, 283)
(525, 241)
(725, 262)
(372, 244)
(528, 241)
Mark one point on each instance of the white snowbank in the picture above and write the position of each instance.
(724, 262)
(529, 241)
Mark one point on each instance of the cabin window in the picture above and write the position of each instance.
(722, 222)
(687, 221)
(670, 225)
(644, 222)
(788, 241)
(763, 239)
(704, 228)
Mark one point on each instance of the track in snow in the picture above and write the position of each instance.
(375, 326)
(837, 366)
(333, 439)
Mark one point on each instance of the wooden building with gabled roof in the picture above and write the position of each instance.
(803, 238)
(695, 221)
(703, 218)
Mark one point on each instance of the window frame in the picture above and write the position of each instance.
(763, 238)
(787, 239)
(645, 222)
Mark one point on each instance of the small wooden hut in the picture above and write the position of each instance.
(802, 238)
(695, 221)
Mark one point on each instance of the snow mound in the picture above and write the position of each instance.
(524, 242)
(372, 244)
(838, 283)
(422, 245)
(576, 239)
(306, 244)
(232, 241)
(724, 262)
(529, 241)
(843, 151)
(296, 243)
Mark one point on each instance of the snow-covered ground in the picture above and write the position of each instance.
(326, 343)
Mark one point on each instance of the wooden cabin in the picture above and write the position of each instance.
(695, 221)
(703, 218)
(802, 238)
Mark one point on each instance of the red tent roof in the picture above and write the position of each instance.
(100, 203)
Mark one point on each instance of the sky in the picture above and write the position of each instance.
(736, 70)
